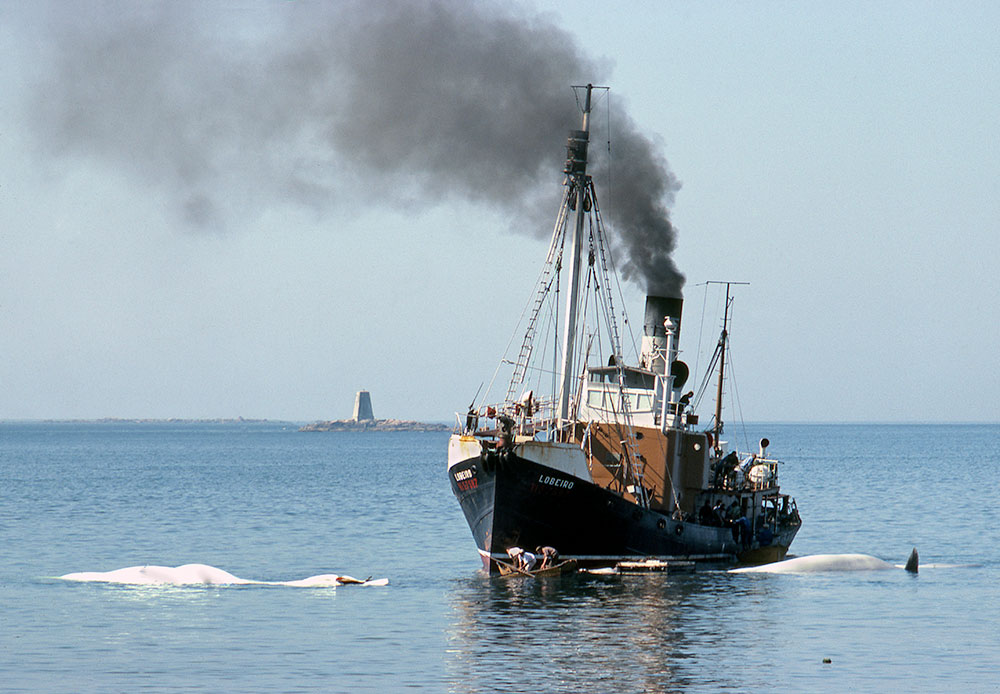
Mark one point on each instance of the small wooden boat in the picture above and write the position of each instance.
(567, 566)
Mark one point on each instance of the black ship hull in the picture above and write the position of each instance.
(511, 501)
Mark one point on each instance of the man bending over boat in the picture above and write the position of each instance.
(549, 555)
(525, 561)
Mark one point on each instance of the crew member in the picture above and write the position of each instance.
(719, 513)
(525, 561)
(743, 524)
(549, 555)
(705, 514)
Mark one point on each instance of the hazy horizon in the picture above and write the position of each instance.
(209, 211)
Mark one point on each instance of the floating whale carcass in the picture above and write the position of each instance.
(817, 563)
(204, 575)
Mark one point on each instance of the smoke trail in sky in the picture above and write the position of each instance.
(410, 100)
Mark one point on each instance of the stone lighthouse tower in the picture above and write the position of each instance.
(363, 407)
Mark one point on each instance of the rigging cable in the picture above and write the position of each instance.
(555, 331)
(600, 221)
(557, 241)
(611, 168)
(547, 327)
(608, 256)
(737, 404)
(634, 470)
(708, 375)
(701, 328)
(580, 354)
(734, 396)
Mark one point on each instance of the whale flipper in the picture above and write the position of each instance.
(911, 563)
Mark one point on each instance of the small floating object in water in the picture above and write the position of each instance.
(827, 661)
(602, 571)
(329, 581)
(650, 565)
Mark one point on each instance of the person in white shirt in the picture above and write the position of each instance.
(525, 561)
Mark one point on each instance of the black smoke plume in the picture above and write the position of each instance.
(397, 100)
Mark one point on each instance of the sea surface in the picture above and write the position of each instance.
(265, 502)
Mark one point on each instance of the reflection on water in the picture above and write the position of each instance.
(648, 633)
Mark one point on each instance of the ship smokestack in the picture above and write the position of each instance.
(654, 335)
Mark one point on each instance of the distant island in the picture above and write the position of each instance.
(364, 420)
(374, 425)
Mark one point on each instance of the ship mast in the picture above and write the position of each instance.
(722, 369)
(576, 171)
(723, 340)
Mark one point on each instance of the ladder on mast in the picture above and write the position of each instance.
(544, 285)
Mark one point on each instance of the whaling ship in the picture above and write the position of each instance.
(611, 465)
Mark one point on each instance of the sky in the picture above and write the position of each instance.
(215, 210)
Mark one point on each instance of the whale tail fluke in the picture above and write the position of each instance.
(911, 563)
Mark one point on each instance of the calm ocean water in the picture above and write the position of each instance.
(265, 502)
